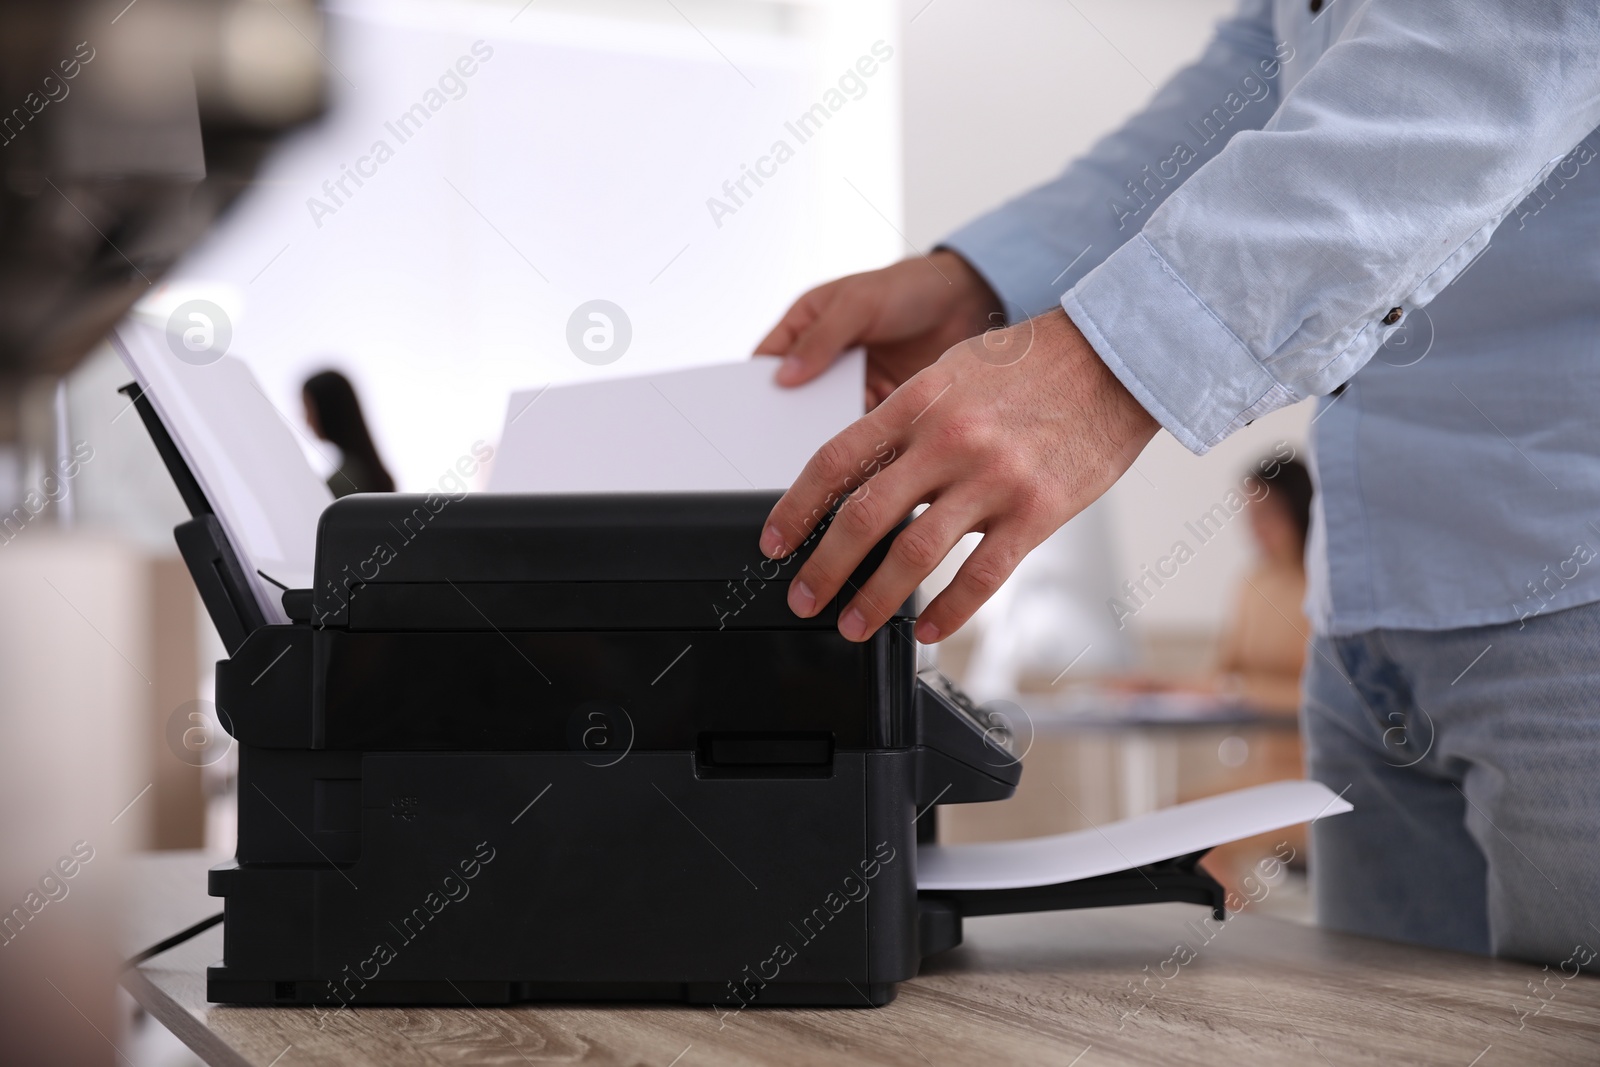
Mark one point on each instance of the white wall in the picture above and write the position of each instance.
(576, 164)
(999, 95)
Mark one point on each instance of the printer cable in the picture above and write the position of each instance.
(172, 942)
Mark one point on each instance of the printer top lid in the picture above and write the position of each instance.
(698, 549)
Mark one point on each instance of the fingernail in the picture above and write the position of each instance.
(772, 543)
(853, 625)
(927, 632)
(788, 370)
(801, 600)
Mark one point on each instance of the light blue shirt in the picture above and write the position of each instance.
(1238, 246)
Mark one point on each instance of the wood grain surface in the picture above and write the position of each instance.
(1062, 989)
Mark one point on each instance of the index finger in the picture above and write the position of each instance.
(845, 463)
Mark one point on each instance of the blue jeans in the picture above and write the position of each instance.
(1472, 757)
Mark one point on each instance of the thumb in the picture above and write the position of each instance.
(799, 318)
(838, 327)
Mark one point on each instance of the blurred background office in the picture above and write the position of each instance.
(456, 179)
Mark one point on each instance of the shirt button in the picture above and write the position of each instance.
(1393, 316)
(1316, 6)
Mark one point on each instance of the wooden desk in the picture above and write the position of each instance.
(1047, 989)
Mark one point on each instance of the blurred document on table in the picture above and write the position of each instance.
(724, 427)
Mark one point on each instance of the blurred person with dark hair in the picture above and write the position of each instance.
(1263, 645)
(334, 414)
(1260, 659)
(1263, 649)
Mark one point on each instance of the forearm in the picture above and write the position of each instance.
(1272, 275)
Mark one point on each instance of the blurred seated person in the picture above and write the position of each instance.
(1263, 647)
(334, 415)
(1262, 653)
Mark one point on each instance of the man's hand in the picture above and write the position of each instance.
(1009, 434)
(906, 314)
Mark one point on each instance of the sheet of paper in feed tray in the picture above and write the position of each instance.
(1119, 846)
(724, 427)
(243, 453)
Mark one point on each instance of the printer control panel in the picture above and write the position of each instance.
(967, 753)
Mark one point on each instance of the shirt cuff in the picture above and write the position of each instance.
(1006, 249)
(1177, 358)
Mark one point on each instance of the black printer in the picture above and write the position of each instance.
(519, 747)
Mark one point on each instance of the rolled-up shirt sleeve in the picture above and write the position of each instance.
(1037, 246)
(1274, 272)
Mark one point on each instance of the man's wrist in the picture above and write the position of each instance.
(1127, 421)
(976, 302)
